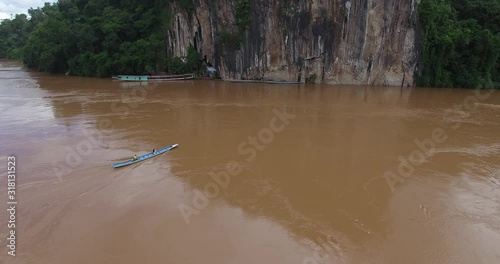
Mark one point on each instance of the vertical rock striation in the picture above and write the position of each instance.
(338, 41)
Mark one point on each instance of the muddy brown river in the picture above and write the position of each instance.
(263, 173)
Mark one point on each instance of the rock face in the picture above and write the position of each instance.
(338, 41)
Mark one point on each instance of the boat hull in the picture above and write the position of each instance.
(262, 81)
(141, 78)
(283, 82)
(145, 156)
(244, 81)
(132, 78)
(170, 79)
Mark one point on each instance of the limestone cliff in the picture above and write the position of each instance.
(341, 42)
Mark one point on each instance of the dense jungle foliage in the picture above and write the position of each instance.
(461, 46)
(94, 38)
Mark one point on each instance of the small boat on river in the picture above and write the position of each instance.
(145, 156)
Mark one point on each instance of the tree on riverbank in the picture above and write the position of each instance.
(13, 36)
(461, 47)
(91, 38)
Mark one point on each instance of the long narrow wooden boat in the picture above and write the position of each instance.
(243, 81)
(261, 81)
(141, 78)
(145, 156)
(133, 78)
(283, 82)
(170, 77)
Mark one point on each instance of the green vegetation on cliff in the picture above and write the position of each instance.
(93, 38)
(233, 40)
(461, 46)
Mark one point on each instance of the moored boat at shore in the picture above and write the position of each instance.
(244, 81)
(262, 81)
(283, 82)
(141, 78)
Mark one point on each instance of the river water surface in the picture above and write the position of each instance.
(263, 173)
